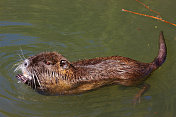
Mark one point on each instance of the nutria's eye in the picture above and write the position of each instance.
(26, 63)
(63, 64)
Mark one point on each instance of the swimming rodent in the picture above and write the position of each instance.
(50, 73)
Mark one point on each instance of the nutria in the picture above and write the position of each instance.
(50, 73)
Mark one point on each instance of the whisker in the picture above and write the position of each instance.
(22, 53)
(17, 68)
(21, 58)
(16, 64)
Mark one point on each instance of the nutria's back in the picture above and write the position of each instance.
(116, 68)
(51, 73)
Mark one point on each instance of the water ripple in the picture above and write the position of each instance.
(7, 23)
(15, 39)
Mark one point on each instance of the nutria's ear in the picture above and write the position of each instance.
(64, 64)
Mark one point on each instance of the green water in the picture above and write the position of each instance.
(81, 29)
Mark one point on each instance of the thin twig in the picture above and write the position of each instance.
(149, 16)
(149, 8)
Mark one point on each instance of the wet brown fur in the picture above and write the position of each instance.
(80, 76)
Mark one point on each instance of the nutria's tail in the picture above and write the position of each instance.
(159, 60)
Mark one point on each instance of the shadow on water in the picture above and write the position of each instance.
(86, 29)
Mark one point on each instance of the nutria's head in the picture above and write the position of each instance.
(44, 71)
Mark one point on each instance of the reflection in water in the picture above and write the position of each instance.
(7, 23)
(15, 39)
(84, 29)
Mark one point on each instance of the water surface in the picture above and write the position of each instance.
(81, 29)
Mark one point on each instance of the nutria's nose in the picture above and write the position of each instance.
(26, 63)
